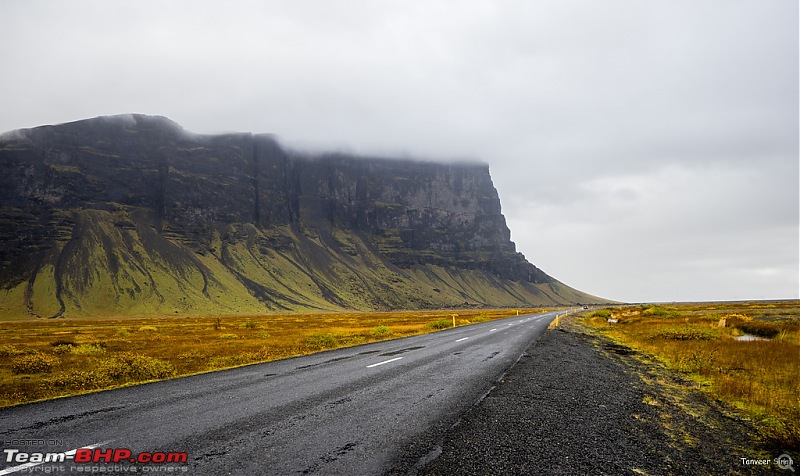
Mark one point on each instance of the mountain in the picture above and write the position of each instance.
(133, 215)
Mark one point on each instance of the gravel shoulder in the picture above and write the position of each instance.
(576, 403)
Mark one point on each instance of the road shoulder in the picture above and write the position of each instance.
(578, 404)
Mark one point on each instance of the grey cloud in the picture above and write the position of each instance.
(604, 123)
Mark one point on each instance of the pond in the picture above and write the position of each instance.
(749, 338)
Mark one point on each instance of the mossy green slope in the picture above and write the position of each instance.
(106, 269)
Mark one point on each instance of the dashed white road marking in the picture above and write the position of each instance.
(384, 362)
(463, 338)
(492, 330)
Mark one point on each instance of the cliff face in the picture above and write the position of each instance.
(133, 215)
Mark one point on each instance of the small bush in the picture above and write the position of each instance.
(63, 342)
(440, 324)
(87, 349)
(321, 341)
(604, 313)
(127, 366)
(34, 364)
(148, 329)
(659, 311)
(684, 333)
(381, 331)
(228, 336)
(251, 325)
(83, 380)
(10, 351)
(262, 335)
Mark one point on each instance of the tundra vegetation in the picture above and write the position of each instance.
(744, 354)
(49, 358)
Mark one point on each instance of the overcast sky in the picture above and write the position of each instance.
(643, 150)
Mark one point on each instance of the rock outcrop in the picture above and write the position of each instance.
(132, 215)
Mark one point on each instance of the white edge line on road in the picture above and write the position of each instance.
(492, 330)
(463, 338)
(68, 454)
(384, 362)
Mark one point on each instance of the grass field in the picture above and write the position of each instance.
(48, 358)
(760, 376)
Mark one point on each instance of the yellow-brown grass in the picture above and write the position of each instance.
(760, 377)
(51, 358)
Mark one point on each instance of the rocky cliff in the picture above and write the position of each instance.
(132, 215)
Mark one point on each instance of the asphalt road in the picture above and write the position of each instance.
(371, 409)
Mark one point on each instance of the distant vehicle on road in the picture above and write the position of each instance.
(586, 307)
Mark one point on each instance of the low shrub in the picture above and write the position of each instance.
(696, 362)
(63, 342)
(381, 331)
(34, 364)
(759, 328)
(659, 311)
(321, 341)
(782, 431)
(79, 380)
(148, 329)
(684, 333)
(482, 317)
(10, 351)
(87, 349)
(228, 336)
(604, 313)
(127, 366)
(440, 324)
(231, 360)
(122, 368)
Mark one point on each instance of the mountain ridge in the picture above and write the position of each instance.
(133, 215)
